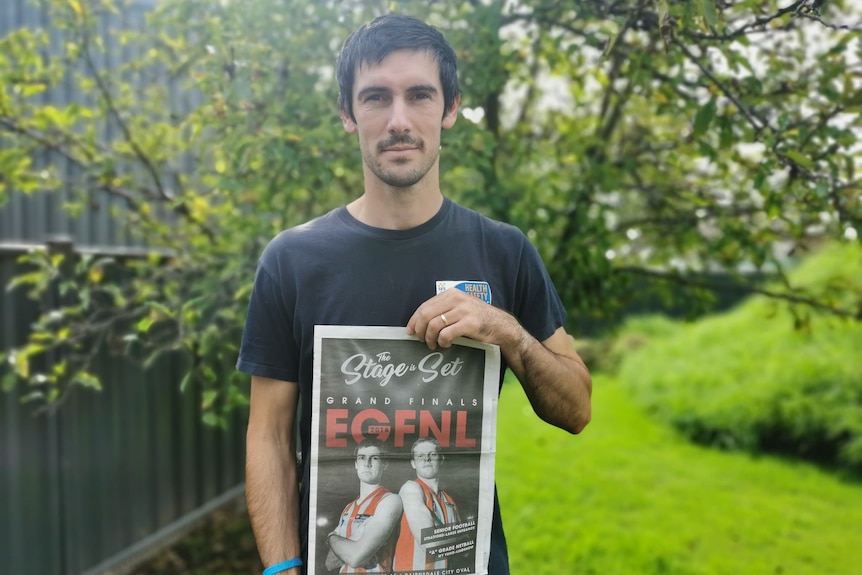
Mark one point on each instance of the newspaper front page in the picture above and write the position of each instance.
(402, 453)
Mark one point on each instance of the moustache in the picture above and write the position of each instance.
(400, 140)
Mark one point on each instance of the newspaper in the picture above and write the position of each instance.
(377, 383)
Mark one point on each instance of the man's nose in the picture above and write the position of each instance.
(399, 119)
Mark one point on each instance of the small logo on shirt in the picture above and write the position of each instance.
(481, 290)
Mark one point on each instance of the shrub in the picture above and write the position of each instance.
(748, 380)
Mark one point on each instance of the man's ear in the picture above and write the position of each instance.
(348, 122)
(452, 113)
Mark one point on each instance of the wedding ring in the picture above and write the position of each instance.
(443, 318)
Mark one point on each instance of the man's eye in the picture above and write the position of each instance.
(422, 96)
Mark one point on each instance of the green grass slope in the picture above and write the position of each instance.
(631, 497)
(747, 379)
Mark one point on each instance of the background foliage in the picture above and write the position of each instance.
(644, 145)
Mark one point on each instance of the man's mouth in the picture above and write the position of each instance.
(400, 145)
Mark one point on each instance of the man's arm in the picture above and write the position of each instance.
(332, 561)
(375, 531)
(272, 485)
(553, 375)
(417, 513)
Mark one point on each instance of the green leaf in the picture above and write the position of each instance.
(704, 117)
(89, 381)
(37, 278)
(726, 136)
(56, 117)
(612, 42)
(160, 311)
(9, 382)
(33, 396)
(184, 384)
(662, 10)
(208, 397)
(799, 159)
(243, 292)
(213, 419)
(707, 10)
(144, 325)
(773, 204)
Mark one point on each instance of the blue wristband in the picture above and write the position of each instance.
(283, 566)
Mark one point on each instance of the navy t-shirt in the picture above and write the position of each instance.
(335, 270)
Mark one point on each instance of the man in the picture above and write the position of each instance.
(364, 540)
(426, 505)
(377, 261)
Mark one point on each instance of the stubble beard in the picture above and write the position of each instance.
(395, 177)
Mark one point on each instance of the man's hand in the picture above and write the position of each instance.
(454, 314)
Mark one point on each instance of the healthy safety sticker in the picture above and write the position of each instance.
(481, 290)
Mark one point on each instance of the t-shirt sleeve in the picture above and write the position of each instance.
(269, 348)
(537, 306)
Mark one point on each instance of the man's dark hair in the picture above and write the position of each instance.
(375, 40)
(372, 442)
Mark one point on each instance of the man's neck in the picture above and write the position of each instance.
(395, 214)
(433, 483)
(390, 208)
(366, 489)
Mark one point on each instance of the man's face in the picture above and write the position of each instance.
(426, 461)
(369, 465)
(398, 111)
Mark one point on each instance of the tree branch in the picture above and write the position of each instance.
(759, 22)
(691, 281)
(757, 123)
(124, 128)
(819, 20)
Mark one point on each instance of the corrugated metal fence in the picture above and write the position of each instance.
(111, 474)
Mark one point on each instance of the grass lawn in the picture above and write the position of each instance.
(629, 496)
